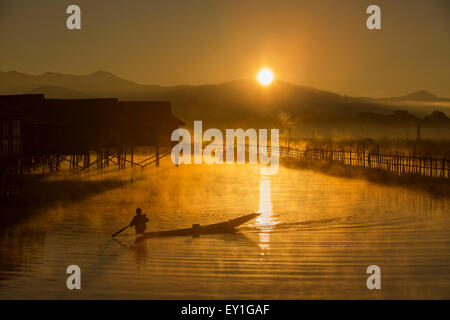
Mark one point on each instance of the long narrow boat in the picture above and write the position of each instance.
(223, 227)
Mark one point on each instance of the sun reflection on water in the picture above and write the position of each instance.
(266, 221)
(266, 218)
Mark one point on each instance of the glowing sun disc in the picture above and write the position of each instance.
(265, 76)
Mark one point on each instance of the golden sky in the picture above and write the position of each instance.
(323, 44)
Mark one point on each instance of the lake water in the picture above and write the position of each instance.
(314, 240)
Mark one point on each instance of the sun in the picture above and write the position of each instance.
(265, 76)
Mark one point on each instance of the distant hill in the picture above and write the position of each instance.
(97, 83)
(421, 95)
(54, 92)
(240, 102)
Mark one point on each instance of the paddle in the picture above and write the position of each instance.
(115, 234)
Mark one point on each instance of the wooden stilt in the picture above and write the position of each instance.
(157, 156)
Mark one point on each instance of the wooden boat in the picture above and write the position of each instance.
(223, 227)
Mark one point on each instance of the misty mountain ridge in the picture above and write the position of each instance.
(422, 95)
(99, 83)
(59, 93)
(243, 101)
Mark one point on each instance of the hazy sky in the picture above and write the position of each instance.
(324, 44)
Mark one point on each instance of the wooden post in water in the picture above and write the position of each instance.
(420, 166)
(157, 156)
(364, 157)
(378, 156)
(132, 156)
(431, 167)
(409, 163)
(443, 168)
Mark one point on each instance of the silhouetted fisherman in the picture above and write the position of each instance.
(139, 221)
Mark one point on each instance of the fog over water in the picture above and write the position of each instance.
(314, 239)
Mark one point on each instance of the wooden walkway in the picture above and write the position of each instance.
(394, 162)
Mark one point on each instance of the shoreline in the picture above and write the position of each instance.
(435, 186)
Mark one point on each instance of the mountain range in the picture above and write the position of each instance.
(241, 100)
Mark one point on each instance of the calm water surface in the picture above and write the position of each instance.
(314, 240)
